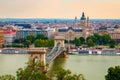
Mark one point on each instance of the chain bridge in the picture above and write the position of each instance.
(58, 50)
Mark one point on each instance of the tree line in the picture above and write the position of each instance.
(94, 40)
(39, 41)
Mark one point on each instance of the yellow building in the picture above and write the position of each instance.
(1, 38)
(77, 30)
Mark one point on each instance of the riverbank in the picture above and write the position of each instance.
(92, 51)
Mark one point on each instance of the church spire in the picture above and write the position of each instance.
(87, 21)
(83, 16)
(75, 19)
(75, 22)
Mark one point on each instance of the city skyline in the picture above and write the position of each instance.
(59, 8)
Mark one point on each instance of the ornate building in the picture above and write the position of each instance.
(79, 29)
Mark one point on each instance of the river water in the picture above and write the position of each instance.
(93, 67)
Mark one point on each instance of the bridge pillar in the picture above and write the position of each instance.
(60, 39)
(43, 58)
(38, 53)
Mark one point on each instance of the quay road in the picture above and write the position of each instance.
(13, 50)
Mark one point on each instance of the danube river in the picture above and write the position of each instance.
(93, 67)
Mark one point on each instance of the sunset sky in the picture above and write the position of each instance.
(59, 8)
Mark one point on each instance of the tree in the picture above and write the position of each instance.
(62, 74)
(16, 40)
(37, 43)
(28, 42)
(112, 43)
(111, 46)
(31, 72)
(113, 73)
(90, 43)
(66, 41)
(97, 38)
(106, 39)
(44, 43)
(93, 38)
(77, 42)
(71, 42)
(41, 36)
(50, 43)
(31, 38)
(82, 39)
(21, 40)
(7, 77)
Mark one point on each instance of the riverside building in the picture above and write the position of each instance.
(1, 38)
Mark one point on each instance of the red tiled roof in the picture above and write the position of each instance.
(9, 32)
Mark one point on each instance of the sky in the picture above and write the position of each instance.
(59, 8)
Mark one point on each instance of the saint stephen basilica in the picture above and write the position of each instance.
(79, 29)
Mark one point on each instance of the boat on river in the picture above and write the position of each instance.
(83, 52)
(74, 52)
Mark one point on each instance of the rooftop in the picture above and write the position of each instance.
(70, 28)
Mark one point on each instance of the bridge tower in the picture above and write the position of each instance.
(60, 39)
(38, 53)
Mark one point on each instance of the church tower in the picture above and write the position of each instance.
(87, 21)
(83, 21)
(75, 23)
(84, 24)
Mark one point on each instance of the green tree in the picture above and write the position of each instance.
(97, 38)
(28, 42)
(71, 41)
(82, 39)
(18, 45)
(41, 36)
(37, 43)
(16, 40)
(50, 42)
(44, 43)
(113, 73)
(111, 46)
(31, 38)
(112, 43)
(90, 43)
(63, 74)
(7, 77)
(93, 38)
(66, 41)
(77, 42)
(31, 72)
(21, 40)
(106, 39)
